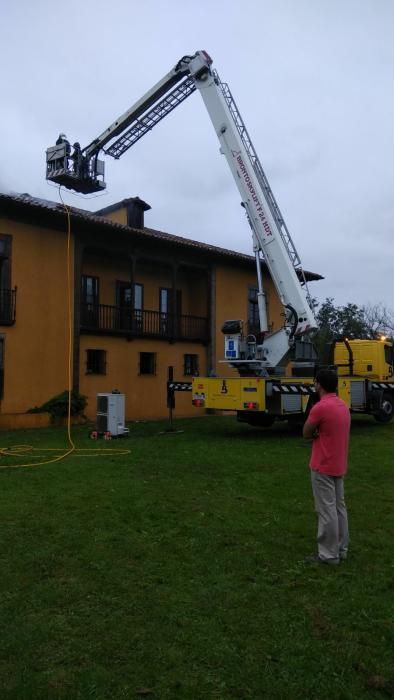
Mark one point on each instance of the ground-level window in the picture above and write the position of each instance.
(190, 365)
(147, 363)
(96, 361)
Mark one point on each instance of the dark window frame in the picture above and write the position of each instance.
(170, 321)
(253, 308)
(191, 365)
(84, 296)
(96, 361)
(121, 284)
(147, 364)
(169, 301)
(5, 261)
(130, 316)
(90, 306)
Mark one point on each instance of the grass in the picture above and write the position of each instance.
(176, 571)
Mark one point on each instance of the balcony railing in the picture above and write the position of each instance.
(115, 320)
(7, 307)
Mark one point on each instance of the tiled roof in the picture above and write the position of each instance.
(54, 208)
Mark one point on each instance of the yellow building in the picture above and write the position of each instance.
(141, 301)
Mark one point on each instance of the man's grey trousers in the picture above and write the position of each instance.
(332, 533)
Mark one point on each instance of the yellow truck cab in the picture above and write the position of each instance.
(372, 359)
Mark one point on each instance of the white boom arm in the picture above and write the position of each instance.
(267, 235)
(270, 235)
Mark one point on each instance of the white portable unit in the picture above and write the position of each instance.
(110, 414)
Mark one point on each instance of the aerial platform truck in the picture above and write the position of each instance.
(275, 370)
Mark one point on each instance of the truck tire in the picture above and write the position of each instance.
(385, 413)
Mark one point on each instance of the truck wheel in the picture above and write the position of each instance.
(386, 410)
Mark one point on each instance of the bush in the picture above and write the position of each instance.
(58, 405)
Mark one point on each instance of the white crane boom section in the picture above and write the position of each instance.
(267, 234)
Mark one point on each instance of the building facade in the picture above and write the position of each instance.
(115, 303)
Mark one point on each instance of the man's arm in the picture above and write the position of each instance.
(309, 430)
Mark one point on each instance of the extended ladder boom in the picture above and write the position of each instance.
(152, 104)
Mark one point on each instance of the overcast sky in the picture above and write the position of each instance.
(313, 80)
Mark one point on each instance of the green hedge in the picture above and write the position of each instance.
(58, 405)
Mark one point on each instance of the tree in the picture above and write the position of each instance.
(351, 321)
(379, 319)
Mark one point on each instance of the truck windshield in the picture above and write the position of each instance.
(389, 354)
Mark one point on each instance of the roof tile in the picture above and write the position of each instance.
(27, 200)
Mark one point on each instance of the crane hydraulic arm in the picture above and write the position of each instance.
(83, 172)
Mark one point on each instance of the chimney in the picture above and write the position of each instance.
(135, 212)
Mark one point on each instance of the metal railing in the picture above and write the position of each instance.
(115, 320)
(7, 306)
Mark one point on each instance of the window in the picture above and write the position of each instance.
(138, 306)
(90, 289)
(190, 365)
(90, 301)
(130, 302)
(147, 363)
(138, 297)
(253, 311)
(124, 296)
(164, 304)
(7, 295)
(170, 321)
(5, 261)
(96, 362)
(389, 354)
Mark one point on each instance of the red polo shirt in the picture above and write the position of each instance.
(330, 447)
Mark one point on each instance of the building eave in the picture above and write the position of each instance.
(52, 214)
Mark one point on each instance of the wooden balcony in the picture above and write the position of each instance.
(7, 307)
(113, 320)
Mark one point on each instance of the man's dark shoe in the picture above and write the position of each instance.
(315, 559)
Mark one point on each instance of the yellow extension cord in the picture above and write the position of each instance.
(21, 450)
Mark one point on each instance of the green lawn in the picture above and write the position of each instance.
(176, 571)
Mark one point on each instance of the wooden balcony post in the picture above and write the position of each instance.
(174, 320)
(78, 257)
(133, 265)
(211, 347)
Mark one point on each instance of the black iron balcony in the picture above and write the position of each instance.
(7, 307)
(115, 320)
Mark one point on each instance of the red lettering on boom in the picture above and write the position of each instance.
(259, 208)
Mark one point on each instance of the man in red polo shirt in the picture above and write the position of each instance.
(328, 426)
